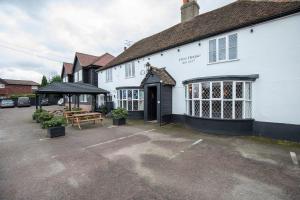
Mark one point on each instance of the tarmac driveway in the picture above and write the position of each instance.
(139, 162)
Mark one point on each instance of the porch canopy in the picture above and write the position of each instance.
(70, 89)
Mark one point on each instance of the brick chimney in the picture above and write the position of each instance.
(189, 10)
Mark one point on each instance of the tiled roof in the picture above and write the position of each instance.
(104, 60)
(20, 82)
(68, 68)
(86, 59)
(71, 88)
(165, 77)
(236, 15)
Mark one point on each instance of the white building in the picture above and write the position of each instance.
(235, 70)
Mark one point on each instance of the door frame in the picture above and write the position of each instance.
(158, 107)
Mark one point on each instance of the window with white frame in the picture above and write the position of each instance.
(219, 99)
(79, 75)
(83, 98)
(108, 75)
(131, 99)
(223, 48)
(34, 87)
(129, 70)
(76, 78)
(2, 85)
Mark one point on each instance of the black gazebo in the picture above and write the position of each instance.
(70, 89)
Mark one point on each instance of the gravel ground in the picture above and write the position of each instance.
(139, 162)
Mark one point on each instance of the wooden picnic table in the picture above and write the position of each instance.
(87, 117)
(69, 114)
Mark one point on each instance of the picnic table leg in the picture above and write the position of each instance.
(78, 123)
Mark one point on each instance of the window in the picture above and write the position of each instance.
(232, 46)
(79, 75)
(109, 75)
(212, 50)
(2, 85)
(131, 99)
(34, 87)
(223, 49)
(83, 98)
(219, 99)
(76, 77)
(129, 70)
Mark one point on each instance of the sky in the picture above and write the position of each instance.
(36, 36)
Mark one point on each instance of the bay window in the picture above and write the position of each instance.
(219, 99)
(131, 99)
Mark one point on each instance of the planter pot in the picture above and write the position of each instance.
(56, 131)
(119, 122)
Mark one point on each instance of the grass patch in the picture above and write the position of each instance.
(273, 141)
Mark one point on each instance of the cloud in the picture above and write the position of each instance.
(37, 36)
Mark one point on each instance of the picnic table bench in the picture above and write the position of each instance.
(69, 114)
(86, 117)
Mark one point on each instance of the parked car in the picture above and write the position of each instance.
(23, 102)
(7, 103)
(60, 102)
(45, 102)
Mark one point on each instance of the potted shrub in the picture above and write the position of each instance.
(44, 116)
(36, 113)
(55, 126)
(103, 109)
(119, 116)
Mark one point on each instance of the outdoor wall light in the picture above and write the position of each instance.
(199, 44)
(178, 50)
(251, 30)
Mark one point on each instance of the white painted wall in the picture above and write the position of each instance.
(272, 51)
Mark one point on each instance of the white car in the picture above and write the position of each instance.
(60, 102)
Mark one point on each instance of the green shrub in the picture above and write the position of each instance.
(54, 122)
(119, 113)
(44, 116)
(16, 96)
(36, 113)
(103, 109)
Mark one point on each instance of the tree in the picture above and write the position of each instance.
(44, 81)
(55, 79)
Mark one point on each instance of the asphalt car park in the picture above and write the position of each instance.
(139, 161)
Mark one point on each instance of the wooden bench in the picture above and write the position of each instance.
(87, 117)
(69, 114)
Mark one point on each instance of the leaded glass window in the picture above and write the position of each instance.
(131, 99)
(220, 99)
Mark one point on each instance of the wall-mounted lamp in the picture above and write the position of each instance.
(251, 30)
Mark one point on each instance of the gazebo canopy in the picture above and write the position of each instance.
(71, 88)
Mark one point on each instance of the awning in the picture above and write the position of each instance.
(71, 88)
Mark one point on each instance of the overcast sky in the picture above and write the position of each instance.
(36, 36)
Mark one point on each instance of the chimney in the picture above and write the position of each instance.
(189, 10)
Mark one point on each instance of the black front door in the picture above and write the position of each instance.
(152, 103)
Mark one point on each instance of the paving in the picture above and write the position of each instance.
(139, 161)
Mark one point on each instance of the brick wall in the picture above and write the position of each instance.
(15, 89)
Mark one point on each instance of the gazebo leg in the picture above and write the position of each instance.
(36, 101)
(69, 102)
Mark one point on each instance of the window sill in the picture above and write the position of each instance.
(219, 119)
(225, 61)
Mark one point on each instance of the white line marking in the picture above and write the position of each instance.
(294, 158)
(182, 151)
(44, 139)
(111, 126)
(198, 141)
(117, 139)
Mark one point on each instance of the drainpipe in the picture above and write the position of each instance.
(160, 103)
